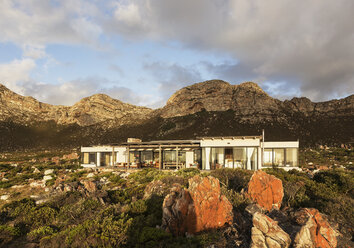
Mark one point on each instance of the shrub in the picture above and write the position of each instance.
(40, 232)
(235, 179)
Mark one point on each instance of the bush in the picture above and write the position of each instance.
(235, 179)
(40, 232)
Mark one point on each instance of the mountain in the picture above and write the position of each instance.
(208, 108)
(90, 110)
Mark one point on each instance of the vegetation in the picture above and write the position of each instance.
(118, 214)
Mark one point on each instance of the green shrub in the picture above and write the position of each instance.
(235, 179)
(8, 233)
(40, 232)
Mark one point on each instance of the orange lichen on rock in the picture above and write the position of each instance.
(201, 207)
(317, 232)
(265, 190)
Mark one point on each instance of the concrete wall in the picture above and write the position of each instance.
(282, 144)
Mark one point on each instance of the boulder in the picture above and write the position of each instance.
(47, 178)
(265, 190)
(48, 172)
(200, 207)
(4, 197)
(316, 231)
(266, 233)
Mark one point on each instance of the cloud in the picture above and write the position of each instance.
(172, 77)
(16, 71)
(33, 24)
(309, 43)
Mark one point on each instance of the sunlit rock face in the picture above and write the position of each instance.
(265, 190)
(90, 110)
(316, 231)
(200, 207)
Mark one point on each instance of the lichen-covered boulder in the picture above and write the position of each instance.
(266, 233)
(265, 190)
(316, 231)
(200, 207)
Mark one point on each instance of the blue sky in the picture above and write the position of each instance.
(142, 51)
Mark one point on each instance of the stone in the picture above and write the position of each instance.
(4, 197)
(198, 208)
(155, 188)
(265, 190)
(49, 171)
(90, 175)
(36, 170)
(47, 178)
(90, 186)
(36, 184)
(125, 175)
(267, 233)
(316, 231)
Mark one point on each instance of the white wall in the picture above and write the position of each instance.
(282, 144)
(229, 142)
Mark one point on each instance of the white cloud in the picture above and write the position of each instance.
(16, 71)
(310, 43)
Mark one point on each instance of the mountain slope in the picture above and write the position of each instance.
(210, 108)
(88, 111)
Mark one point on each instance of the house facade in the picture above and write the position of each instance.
(207, 153)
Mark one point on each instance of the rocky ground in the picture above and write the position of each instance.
(47, 200)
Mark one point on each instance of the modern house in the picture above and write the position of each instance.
(207, 153)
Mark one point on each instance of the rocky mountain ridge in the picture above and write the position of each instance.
(248, 101)
(88, 111)
(210, 108)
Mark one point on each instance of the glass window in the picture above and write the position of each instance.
(197, 158)
(279, 157)
(146, 157)
(291, 157)
(217, 158)
(251, 158)
(134, 157)
(268, 157)
(85, 158)
(92, 157)
(240, 157)
(182, 157)
(229, 158)
(169, 156)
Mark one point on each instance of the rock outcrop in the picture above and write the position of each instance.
(265, 190)
(266, 233)
(200, 207)
(316, 231)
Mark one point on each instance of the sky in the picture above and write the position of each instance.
(142, 51)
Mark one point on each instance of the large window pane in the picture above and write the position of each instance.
(85, 158)
(134, 157)
(268, 157)
(182, 157)
(291, 157)
(217, 158)
(251, 158)
(240, 157)
(92, 158)
(229, 158)
(279, 157)
(169, 156)
(146, 157)
(197, 157)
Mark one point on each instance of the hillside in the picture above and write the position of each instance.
(204, 109)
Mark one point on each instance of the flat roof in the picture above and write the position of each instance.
(156, 142)
(232, 137)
